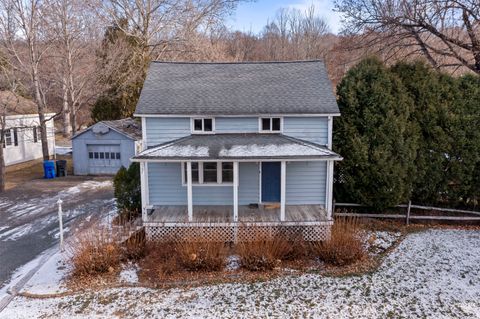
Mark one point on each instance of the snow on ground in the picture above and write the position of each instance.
(129, 274)
(63, 150)
(376, 242)
(49, 278)
(432, 274)
(36, 205)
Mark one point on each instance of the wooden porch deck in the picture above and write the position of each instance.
(246, 214)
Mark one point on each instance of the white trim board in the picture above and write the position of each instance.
(241, 115)
(237, 160)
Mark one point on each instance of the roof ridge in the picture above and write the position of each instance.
(238, 62)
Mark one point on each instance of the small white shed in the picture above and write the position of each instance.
(106, 146)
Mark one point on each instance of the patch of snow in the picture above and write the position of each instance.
(63, 150)
(129, 274)
(180, 151)
(432, 274)
(16, 232)
(255, 150)
(49, 278)
(378, 241)
(22, 272)
(233, 263)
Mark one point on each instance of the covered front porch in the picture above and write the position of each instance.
(247, 214)
(232, 181)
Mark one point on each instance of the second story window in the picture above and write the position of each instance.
(270, 124)
(202, 125)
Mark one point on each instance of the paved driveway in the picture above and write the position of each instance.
(29, 215)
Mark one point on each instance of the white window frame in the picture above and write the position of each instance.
(200, 175)
(270, 118)
(12, 138)
(192, 125)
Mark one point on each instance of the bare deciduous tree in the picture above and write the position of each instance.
(22, 30)
(75, 35)
(445, 32)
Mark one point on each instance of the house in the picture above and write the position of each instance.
(22, 140)
(237, 144)
(104, 147)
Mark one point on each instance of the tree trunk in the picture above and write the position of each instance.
(41, 116)
(74, 120)
(66, 111)
(2, 164)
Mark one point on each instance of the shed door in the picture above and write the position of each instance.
(104, 159)
(270, 182)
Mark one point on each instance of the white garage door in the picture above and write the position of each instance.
(104, 159)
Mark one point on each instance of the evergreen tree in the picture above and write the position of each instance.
(466, 143)
(434, 96)
(122, 74)
(375, 136)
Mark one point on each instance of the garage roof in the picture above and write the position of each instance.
(128, 127)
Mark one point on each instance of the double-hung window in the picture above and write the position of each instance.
(210, 173)
(10, 137)
(270, 124)
(202, 125)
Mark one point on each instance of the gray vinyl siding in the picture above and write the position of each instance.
(80, 148)
(312, 129)
(306, 183)
(236, 124)
(164, 129)
(165, 187)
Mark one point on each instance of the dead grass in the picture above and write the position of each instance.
(134, 248)
(202, 255)
(94, 252)
(263, 253)
(345, 245)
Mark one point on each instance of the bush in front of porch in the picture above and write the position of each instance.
(127, 193)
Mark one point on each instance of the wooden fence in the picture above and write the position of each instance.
(407, 216)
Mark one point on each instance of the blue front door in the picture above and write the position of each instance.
(270, 181)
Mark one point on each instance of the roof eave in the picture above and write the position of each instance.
(235, 115)
(236, 159)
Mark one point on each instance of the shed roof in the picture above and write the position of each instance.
(128, 127)
(237, 147)
(260, 88)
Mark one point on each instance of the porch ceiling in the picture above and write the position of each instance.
(251, 146)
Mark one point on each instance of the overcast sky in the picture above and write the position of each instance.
(252, 16)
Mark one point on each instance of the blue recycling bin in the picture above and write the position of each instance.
(48, 169)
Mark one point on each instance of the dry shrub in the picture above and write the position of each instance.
(345, 245)
(202, 255)
(161, 257)
(134, 246)
(93, 252)
(264, 253)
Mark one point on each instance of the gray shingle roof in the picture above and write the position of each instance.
(128, 127)
(239, 147)
(297, 87)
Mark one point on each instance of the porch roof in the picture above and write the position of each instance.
(251, 146)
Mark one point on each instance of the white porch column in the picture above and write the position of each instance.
(329, 190)
(235, 191)
(143, 188)
(189, 191)
(283, 189)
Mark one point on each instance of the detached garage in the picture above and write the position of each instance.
(106, 146)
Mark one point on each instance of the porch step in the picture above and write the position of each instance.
(271, 206)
